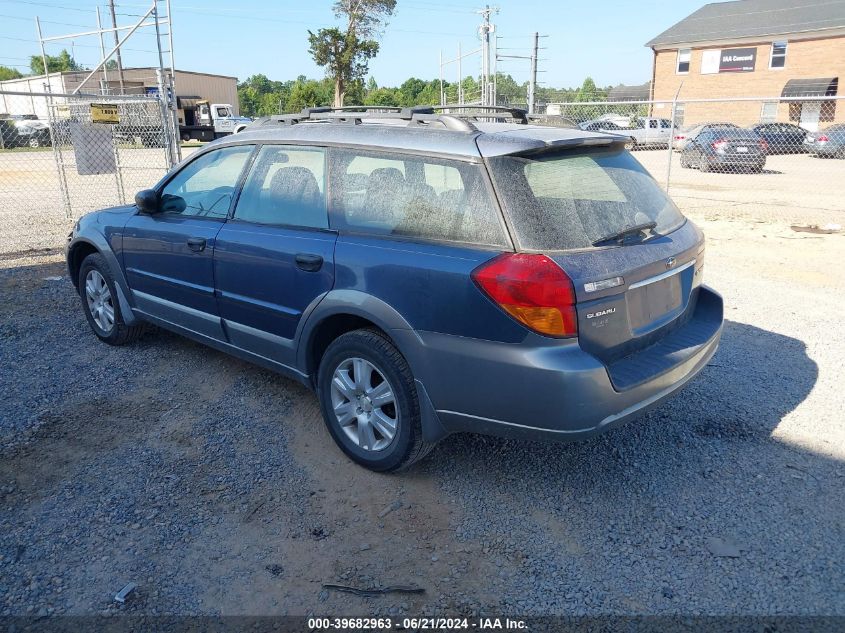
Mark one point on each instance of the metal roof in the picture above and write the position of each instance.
(480, 138)
(819, 87)
(730, 21)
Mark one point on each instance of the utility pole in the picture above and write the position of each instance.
(117, 45)
(484, 32)
(532, 82)
(533, 59)
(104, 84)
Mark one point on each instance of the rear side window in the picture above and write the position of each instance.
(205, 186)
(568, 200)
(411, 196)
(285, 186)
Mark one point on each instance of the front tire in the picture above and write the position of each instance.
(100, 304)
(369, 402)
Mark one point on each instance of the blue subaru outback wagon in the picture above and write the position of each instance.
(426, 273)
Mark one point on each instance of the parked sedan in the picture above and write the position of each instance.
(686, 134)
(726, 148)
(827, 143)
(781, 138)
(15, 132)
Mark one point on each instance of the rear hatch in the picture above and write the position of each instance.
(635, 262)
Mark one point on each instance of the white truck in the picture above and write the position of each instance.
(643, 131)
(210, 121)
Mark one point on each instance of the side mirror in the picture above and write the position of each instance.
(148, 201)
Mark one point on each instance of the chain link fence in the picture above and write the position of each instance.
(62, 156)
(768, 159)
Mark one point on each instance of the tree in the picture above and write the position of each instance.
(9, 73)
(61, 62)
(346, 53)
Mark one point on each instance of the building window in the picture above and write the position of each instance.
(769, 112)
(683, 61)
(778, 59)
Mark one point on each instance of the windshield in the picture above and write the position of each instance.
(570, 199)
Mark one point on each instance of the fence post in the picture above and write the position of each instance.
(671, 141)
(672, 135)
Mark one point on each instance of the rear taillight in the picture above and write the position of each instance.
(680, 138)
(720, 144)
(533, 290)
(764, 145)
(822, 138)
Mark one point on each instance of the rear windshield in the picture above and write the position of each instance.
(570, 199)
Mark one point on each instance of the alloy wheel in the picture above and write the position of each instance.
(364, 404)
(99, 300)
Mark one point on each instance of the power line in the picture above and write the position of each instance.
(48, 5)
(15, 17)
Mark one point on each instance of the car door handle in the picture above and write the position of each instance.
(309, 263)
(196, 244)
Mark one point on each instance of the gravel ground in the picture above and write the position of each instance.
(213, 485)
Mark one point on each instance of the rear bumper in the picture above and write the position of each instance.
(538, 390)
(828, 149)
(755, 160)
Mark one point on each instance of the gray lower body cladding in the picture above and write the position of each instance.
(538, 390)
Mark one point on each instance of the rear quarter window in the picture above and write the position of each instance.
(413, 197)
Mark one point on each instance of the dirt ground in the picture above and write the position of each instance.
(214, 486)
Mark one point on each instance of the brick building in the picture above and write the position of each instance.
(771, 49)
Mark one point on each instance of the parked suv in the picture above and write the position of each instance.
(424, 273)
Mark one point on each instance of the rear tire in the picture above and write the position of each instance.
(100, 304)
(369, 402)
(684, 162)
(703, 165)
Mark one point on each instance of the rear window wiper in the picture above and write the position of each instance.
(619, 236)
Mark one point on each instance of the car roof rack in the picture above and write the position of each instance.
(415, 115)
(485, 111)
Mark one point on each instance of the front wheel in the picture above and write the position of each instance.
(99, 301)
(369, 402)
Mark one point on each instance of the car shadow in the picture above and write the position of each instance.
(663, 493)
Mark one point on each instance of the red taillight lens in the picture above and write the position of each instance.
(533, 290)
(680, 138)
(822, 138)
(720, 144)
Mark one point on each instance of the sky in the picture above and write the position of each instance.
(246, 37)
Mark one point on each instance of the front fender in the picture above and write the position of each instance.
(91, 238)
